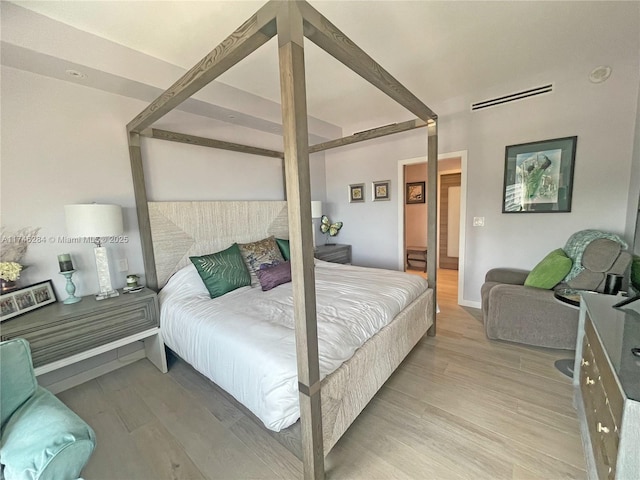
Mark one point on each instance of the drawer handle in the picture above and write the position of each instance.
(590, 381)
(584, 363)
(602, 428)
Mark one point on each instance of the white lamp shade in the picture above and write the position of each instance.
(316, 209)
(93, 220)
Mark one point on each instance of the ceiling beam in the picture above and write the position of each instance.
(369, 134)
(328, 37)
(251, 35)
(209, 142)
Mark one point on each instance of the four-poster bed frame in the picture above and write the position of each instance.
(291, 22)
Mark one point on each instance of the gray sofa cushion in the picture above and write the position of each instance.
(600, 255)
(531, 316)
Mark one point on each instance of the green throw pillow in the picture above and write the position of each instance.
(222, 272)
(550, 271)
(285, 250)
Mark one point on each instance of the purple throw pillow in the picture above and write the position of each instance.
(271, 276)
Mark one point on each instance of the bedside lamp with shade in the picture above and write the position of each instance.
(96, 221)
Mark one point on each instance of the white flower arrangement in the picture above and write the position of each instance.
(10, 271)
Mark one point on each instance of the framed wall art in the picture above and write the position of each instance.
(381, 190)
(415, 192)
(538, 176)
(356, 192)
(26, 299)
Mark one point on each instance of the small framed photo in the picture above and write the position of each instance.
(356, 192)
(26, 299)
(538, 176)
(415, 192)
(381, 190)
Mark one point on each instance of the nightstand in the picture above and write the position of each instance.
(61, 335)
(336, 253)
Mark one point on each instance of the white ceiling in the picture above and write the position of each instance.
(443, 52)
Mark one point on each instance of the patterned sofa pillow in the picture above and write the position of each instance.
(262, 252)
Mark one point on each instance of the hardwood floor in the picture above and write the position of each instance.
(460, 406)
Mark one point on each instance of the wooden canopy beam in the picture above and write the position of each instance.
(298, 187)
(209, 142)
(328, 37)
(369, 134)
(432, 217)
(251, 35)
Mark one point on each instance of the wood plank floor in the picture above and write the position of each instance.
(459, 407)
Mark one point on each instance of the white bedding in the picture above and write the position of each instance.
(244, 341)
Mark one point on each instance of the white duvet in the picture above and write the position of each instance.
(244, 341)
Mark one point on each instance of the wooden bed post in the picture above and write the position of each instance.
(298, 187)
(142, 209)
(432, 216)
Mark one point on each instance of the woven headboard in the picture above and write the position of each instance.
(183, 229)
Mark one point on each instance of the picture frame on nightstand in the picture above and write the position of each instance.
(26, 299)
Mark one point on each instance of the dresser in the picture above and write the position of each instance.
(607, 387)
(336, 253)
(60, 335)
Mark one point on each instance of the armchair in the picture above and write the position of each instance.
(514, 312)
(41, 438)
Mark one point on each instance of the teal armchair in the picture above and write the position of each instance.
(41, 438)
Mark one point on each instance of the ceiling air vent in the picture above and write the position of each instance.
(532, 92)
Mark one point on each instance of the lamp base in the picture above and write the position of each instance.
(105, 295)
(104, 278)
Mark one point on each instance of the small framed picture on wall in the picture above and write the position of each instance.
(356, 193)
(381, 190)
(415, 192)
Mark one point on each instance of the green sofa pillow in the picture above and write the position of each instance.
(550, 271)
(222, 272)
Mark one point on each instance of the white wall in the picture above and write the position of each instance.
(634, 183)
(63, 144)
(370, 227)
(602, 116)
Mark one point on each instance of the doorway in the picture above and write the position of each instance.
(448, 163)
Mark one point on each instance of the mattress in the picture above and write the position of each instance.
(244, 341)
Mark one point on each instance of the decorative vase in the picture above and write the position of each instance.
(7, 286)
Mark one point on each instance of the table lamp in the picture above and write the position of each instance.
(95, 222)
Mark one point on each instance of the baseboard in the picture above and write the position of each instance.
(469, 303)
(95, 372)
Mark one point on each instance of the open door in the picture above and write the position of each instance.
(450, 220)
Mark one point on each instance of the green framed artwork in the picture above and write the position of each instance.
(538, 176)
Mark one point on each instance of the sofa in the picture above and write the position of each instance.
(41, 438)
(514, 311)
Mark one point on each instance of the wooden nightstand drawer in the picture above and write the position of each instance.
(60, 331)
(337, 253)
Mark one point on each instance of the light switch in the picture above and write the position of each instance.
(123, 265)
(478, 221)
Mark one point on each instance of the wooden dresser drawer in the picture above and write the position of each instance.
(603, 403)
(607, 383)
(614, 395)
